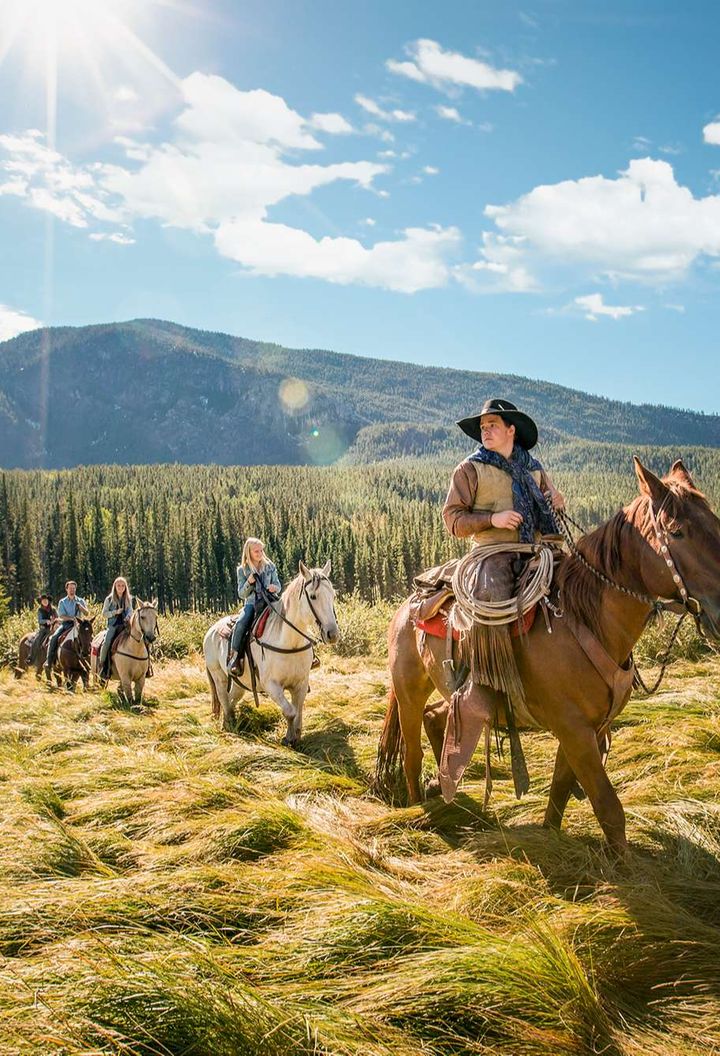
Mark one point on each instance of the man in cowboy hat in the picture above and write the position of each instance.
(498, 494)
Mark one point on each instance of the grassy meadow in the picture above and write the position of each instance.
(166, 889)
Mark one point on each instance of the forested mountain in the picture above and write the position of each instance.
(149, 391)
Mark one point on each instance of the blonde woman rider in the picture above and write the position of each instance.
(255, 570)
(117, 608)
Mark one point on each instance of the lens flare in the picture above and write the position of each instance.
(294, 394)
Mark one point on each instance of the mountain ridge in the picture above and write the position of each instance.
(164, 392)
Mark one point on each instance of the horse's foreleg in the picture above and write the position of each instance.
(563, 780)
(125, 688)
(276, 692)
(582, 755)
(295, 725)
(139, 688)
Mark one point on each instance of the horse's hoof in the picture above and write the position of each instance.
(288, 743)
(432, 788)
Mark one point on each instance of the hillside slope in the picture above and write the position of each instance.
(150, 391)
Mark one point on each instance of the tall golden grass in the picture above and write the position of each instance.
(168, 889)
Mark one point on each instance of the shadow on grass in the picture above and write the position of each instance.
(331, 745)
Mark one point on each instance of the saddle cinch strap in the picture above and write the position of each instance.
(618, 679)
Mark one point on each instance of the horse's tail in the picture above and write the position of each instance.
(388, 783)
(213, 695)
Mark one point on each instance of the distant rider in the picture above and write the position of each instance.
(117, 609)
(70, 608)
(255, 569)
(46, 614)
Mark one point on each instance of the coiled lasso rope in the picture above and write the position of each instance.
(495, 613)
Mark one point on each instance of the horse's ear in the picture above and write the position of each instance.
(139, 601)
(326, 568)
(154, 603)
(304, 570)
(649, 483)
(92, 621)
(680, 473)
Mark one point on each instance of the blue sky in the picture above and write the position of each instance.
(530, 188)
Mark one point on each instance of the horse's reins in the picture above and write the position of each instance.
(310, 641)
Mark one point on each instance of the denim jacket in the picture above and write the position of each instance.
(109, 606)
(268, 576)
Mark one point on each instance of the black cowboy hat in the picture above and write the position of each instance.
(526, 433)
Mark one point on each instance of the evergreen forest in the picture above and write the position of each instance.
(177, 531)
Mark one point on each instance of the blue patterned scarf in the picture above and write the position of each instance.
(528, 500)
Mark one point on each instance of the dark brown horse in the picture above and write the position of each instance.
(73, 657)
(23, 660)
(664, 545)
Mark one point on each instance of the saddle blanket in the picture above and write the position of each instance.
(226, 628)
(96, 644)
(436, 626)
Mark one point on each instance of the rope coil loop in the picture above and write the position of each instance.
(498, 613)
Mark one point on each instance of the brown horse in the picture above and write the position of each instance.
(664, 545)
(23, 660)
(73, 657)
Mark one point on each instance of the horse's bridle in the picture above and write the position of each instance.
(690, 604)
(142, 638)
(309, 640)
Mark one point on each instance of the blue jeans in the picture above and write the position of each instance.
(242, 626)
(53, 643)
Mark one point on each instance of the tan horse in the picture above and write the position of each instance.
(131, 659)
(306, 613)
(664, 545)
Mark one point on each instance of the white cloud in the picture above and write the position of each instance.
(334, 124)
(114, 236)
(431, 64)
(371, 107)
(216, 111)
(415, 262)
(430, 170)
(711, 133)
(593, 306)
(450, 113)
(369, 222)
(14, 322)
(641, 225)
(47, 181)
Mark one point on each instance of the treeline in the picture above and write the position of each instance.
(177, 532)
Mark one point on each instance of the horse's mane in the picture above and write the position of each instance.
(581, 591)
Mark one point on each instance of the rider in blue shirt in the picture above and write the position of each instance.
(70, 608)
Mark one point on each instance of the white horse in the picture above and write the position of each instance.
(130, 661)
(304, 614)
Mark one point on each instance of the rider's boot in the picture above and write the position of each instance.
(236, 662)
